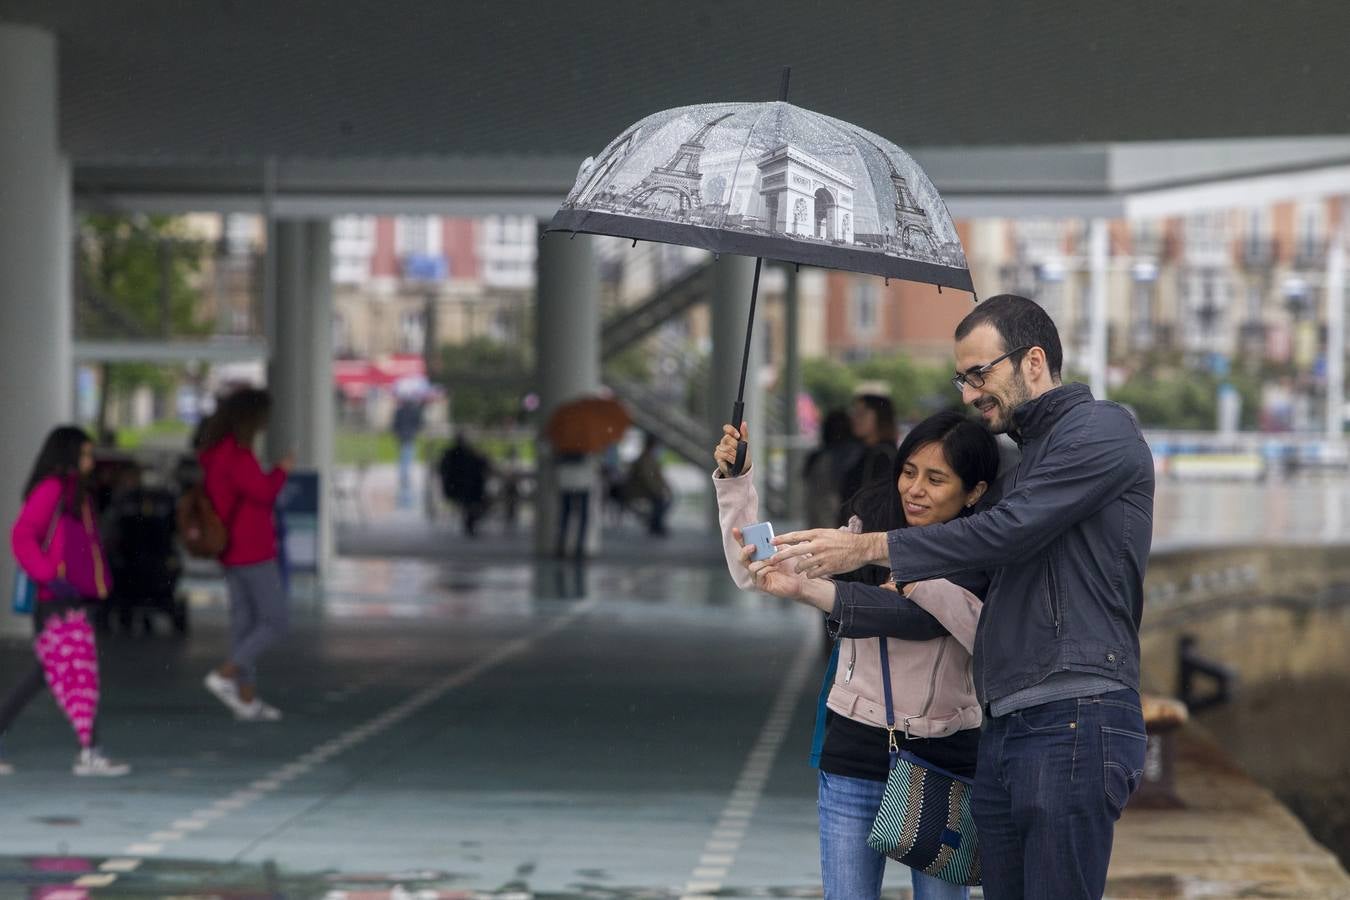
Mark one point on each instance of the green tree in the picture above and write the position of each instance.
(1166, 394)
(917, 390)
(138, 282)
(830, 383)
(486, 380)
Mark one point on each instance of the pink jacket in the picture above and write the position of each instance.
(38, 523)
(932, 691)
(245, 498)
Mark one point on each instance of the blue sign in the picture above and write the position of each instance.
(425, 267)
(298, 510)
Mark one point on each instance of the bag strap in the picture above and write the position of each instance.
(51, 528)
(892, 746)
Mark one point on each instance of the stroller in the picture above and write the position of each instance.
(138, 533)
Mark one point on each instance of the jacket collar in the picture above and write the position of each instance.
(1036, 417)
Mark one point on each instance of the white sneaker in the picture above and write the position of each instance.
(224, 690)
(92, 763)
(257, 711)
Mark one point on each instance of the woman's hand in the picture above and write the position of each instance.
(725, 452)
(780, 580)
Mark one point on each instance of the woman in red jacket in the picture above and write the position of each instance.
(244, 496)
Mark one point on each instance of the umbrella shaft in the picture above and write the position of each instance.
(749, 333)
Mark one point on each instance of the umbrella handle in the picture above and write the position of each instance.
(738, 416)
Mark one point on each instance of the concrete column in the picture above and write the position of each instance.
(35, 247)
(300, 376)
(1335, 413)
(567, 353)
(732, 280)
(792, 387)
(323, 405)
(1098, 250)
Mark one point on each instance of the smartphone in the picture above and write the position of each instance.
(760, 535)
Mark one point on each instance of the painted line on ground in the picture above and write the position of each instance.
(204, 818)
(720, 849)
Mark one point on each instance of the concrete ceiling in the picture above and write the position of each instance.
(403, 99)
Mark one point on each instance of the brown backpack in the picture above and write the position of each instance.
(199, 525)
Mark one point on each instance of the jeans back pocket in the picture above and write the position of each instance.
(1123, 755)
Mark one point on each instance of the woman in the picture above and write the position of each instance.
(55, 541)
(245, 499)
(826, 467)
(942, 469)
(872, 417)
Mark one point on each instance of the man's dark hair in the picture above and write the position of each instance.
(1021, 323)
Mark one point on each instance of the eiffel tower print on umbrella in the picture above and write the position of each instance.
(769, 180)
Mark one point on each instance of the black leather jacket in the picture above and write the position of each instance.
(1066, 547)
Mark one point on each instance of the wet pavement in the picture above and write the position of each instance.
(498, 728)
(473, 723)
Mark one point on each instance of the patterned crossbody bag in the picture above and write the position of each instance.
(924, 820)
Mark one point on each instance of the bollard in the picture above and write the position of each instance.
(1163, 716)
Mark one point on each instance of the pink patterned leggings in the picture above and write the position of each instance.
(65, 647)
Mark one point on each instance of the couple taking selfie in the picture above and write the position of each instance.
(986, 659)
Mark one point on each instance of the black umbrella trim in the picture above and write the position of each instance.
(807, 252)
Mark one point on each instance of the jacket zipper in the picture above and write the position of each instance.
(932, 681)
(853, 648)
(1051, 593)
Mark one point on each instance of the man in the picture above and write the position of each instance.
(406, 426)
(1056, 660)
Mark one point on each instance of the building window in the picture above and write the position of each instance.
(508, 251)
(240, 231)
(1207, 237)
(412, 330)
(1309, 234)
(1143, 292)
(353, 246)
(417, 236)
(865, 304)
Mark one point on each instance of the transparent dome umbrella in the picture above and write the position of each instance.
(769, 180)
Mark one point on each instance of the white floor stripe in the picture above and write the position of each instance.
(724, 841)
(95, 880)
(144, 849)
(120, 865)
(274, 780)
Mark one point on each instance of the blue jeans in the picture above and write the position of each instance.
(849, 868)
(1051, 782)
(407, 455)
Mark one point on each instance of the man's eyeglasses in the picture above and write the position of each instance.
(974, 377)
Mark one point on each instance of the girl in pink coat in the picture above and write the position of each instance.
(55, 541)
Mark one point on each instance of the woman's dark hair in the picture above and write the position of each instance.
(968, 446)
(240, 415)
(60, 458)
(836, 428)
(884, 410)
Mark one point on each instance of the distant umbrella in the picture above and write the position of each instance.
(587, 425)
(769, 180)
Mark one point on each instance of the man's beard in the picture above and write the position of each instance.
(1018, 394)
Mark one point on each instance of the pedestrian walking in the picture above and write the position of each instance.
(943, 468)
(244, 497)
(56, 544)
(407, 425)
(1057, 650)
